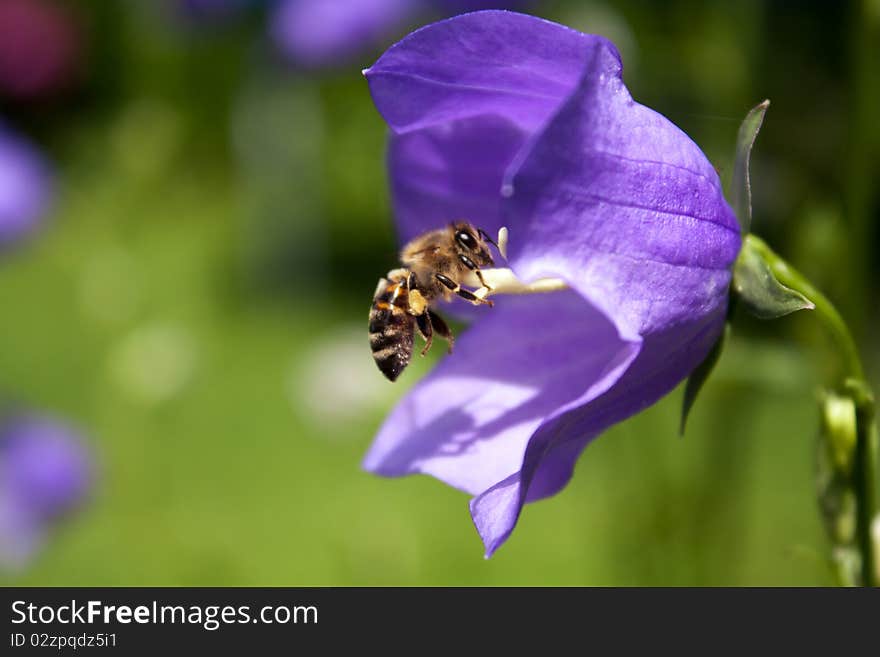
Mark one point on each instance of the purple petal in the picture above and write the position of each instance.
(461, 117)
(318, 33)
(663, 361)
(25, 187)
(469, 421)
(451, 172)
(494, 63)
(622, 204)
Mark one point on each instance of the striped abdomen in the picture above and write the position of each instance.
(391, 327)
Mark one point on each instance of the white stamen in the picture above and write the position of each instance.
(502, 241)
(503, 281)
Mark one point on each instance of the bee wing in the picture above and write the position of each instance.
(380, 287)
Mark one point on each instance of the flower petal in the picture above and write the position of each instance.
(490, 62)
(622, 204)
(469, 421)
(662, 362)
(450, 172)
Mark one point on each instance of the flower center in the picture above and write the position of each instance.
(502, 280)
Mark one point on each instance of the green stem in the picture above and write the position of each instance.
(865, 465)
(860, 173)
(865, 476)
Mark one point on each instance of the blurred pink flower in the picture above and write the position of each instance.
(40, 48)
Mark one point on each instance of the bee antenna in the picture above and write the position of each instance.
(484, 235)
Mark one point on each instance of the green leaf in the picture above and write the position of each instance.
(758, 290)
(740, 187)
(699, 375)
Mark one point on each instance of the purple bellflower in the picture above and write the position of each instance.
(25, 187)
(45, 471)
(508, 120)
(317, 33)
(321, 33)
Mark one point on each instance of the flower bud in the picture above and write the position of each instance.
(839, 429)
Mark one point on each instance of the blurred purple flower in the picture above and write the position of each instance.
(506, 119)
(45, 472)
(40, 48)
(25, 187)
(317, 33)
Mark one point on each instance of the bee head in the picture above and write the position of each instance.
(473, 243)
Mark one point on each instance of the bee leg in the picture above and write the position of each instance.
(470, 264)
(441, 328)
(464, 294)
(417, 302)
(483, 234)
(423, 321)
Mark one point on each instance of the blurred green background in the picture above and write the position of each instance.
(196, 304)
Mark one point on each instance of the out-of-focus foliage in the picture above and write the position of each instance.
(196, 304)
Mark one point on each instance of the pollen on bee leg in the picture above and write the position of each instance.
(417, 302)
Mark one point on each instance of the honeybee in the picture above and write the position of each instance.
(433, 266)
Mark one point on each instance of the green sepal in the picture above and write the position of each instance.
(757, 288)
(698, 377)
(740, 186)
